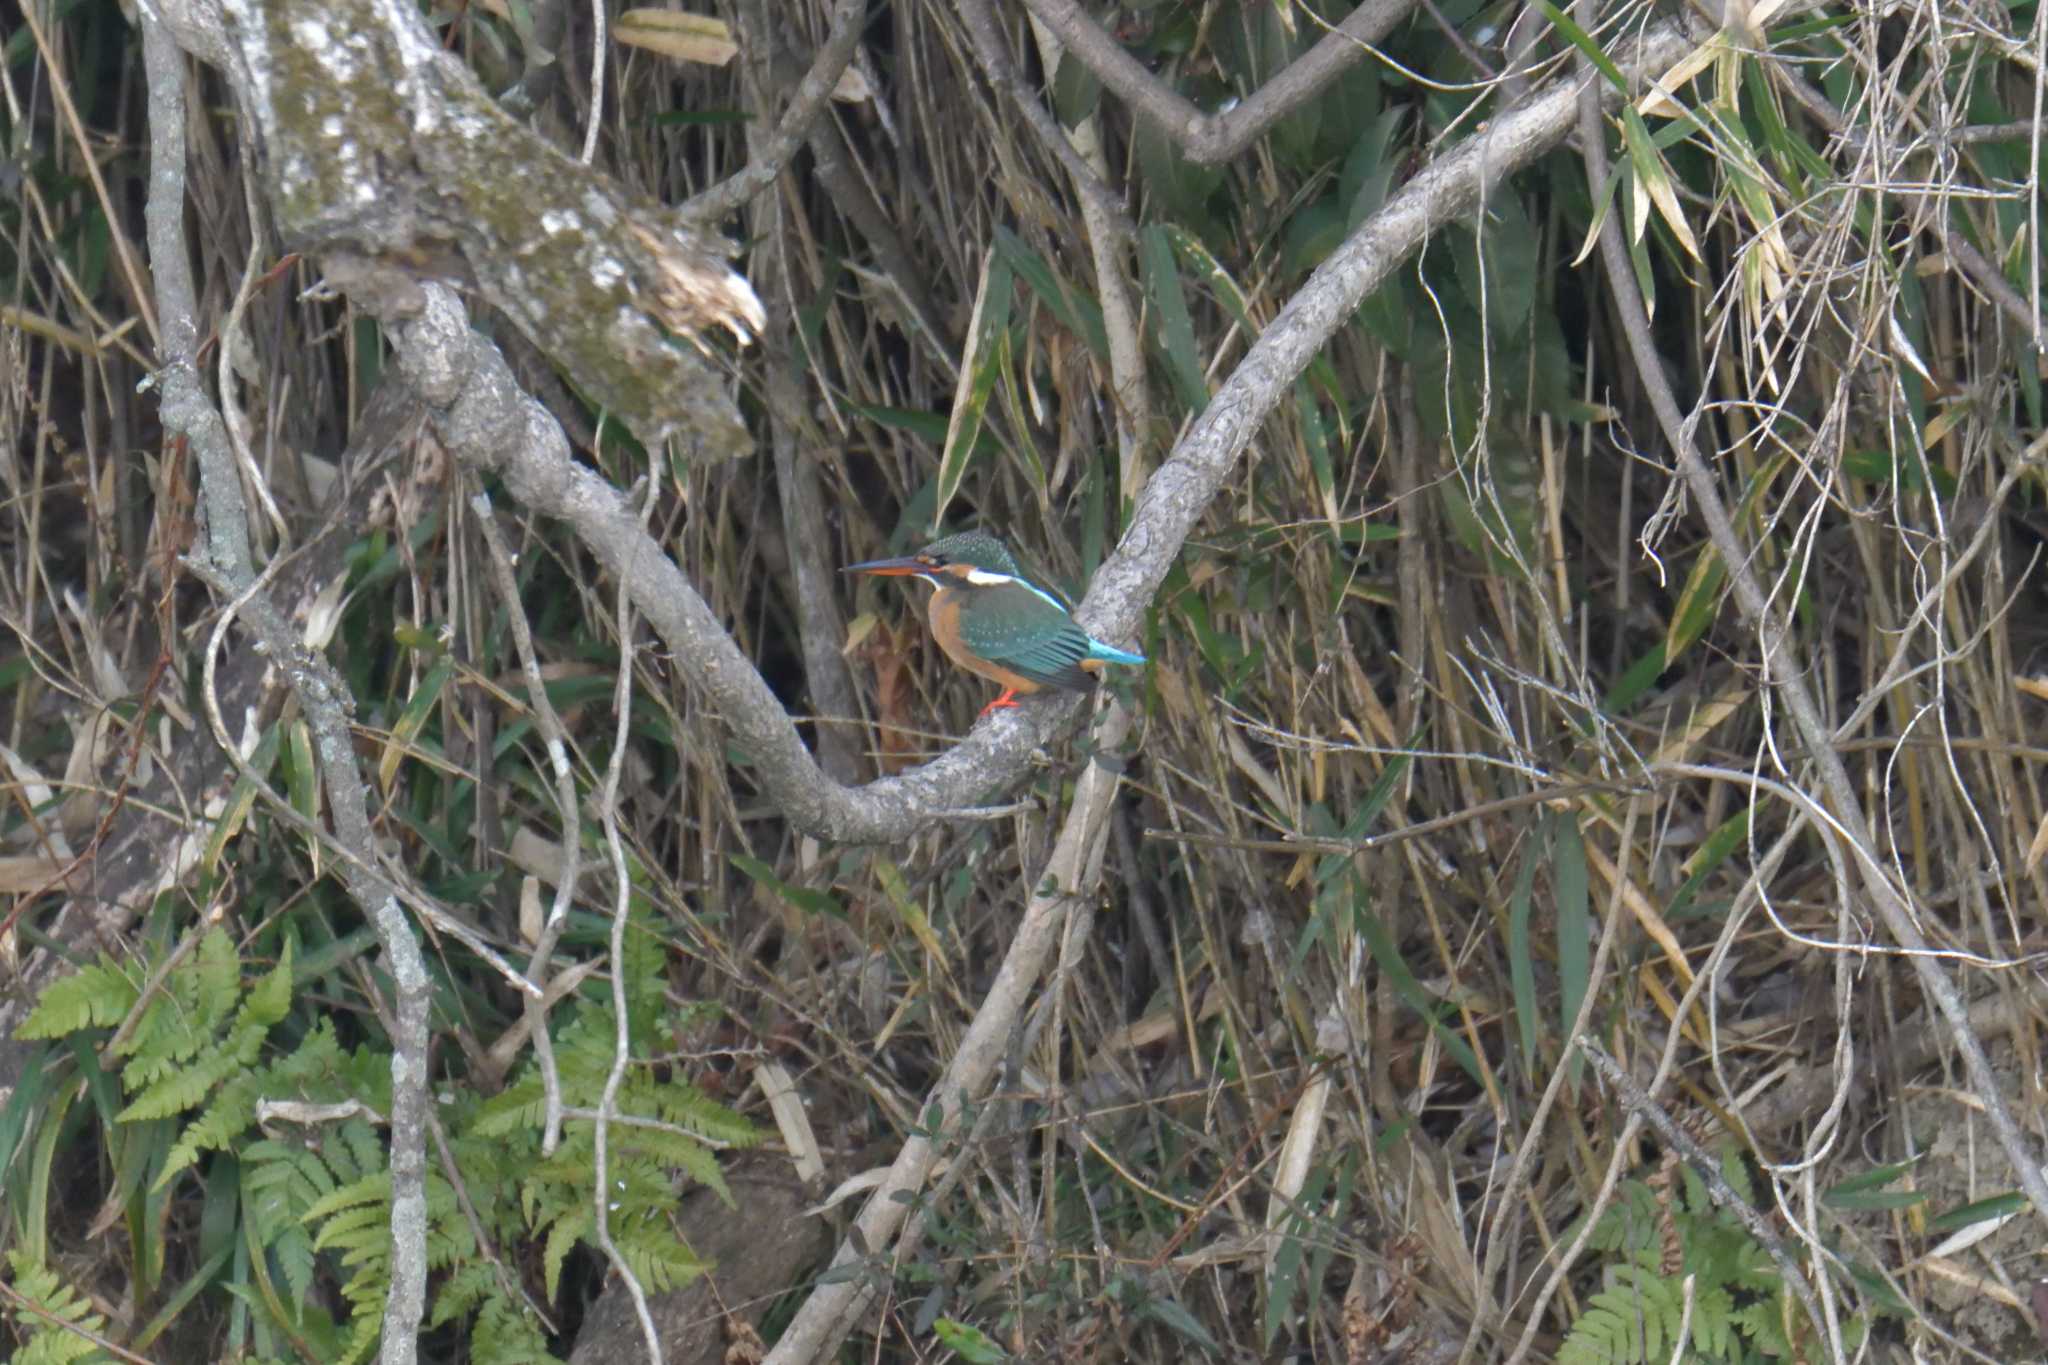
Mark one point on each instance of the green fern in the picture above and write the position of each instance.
(193, 1003)
(583, 1058)
(47, 1332)
(98, 996)
(642, 1162)
(1739, 1298)
(317, 1071)
(281, 1184)
(199, 1053)
(1635, 1320)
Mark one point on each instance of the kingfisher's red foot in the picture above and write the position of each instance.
(1006, 702)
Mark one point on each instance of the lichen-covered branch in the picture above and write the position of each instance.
(377, 143)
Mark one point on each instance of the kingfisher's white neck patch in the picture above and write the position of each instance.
(983, 578)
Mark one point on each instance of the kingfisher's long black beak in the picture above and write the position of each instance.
(904, 566)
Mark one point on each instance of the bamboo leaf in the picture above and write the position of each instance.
(987, 353)
(1655, 178)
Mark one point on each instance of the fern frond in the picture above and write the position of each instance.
(51, 1343)
(182, 1087)
(1632, 1323)
(373, 1190)
(571, 1227)
(506, 1335)
(226, 1119)
(98, 996)
(688, 1107)
(271, 998)
(462, 1293)
(219, 974)
(658, 1258)
(355, 1232)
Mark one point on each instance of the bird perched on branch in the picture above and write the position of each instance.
(991, 620)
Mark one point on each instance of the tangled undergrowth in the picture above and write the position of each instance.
(1623, 630)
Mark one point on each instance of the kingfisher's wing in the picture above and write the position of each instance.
(1028, 633)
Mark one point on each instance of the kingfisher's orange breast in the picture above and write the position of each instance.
(946, 630)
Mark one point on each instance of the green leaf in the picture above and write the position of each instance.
(1170, 1313)
(1979, 1211)
(1654, 177)
(1699, 602)
(1730, 835)
(1584, 42)
(1413, 994)
(406, 730)
(302, 781)
(1077, 312)
(1521, 959)
(240, 800)
(1314, 231)
(1176, 328)
(1182, 188)
(968, 1342)
(1574, 918)
(1315, 437)
(1075, 91)
(803, 898)
(1637, 679)
(1866, 1191)
(988, 355)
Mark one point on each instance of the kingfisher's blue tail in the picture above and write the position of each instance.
(1110, 654)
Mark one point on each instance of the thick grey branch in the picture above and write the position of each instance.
(485, 420)
(379, 144)
(1447, 188)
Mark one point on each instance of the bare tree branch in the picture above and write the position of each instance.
(1209, 139)
(323, 697)
(1444, 190)
(767, 157)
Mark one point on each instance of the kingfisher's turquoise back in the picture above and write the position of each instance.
(1023, 630)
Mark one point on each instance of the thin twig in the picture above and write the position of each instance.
(599, 40)
(556, 740)
(806, 103)
(622, 903)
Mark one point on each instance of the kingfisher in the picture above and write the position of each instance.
(993, 621)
